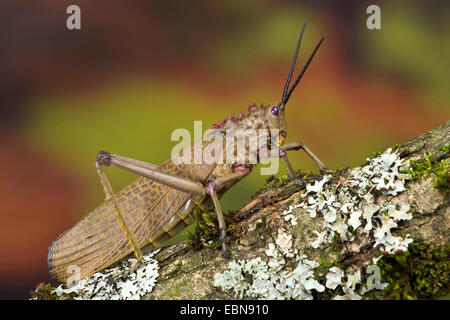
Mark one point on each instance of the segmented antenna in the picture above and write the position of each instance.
(288, 81)
(288, 94)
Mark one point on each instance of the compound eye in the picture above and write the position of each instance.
(275, 111)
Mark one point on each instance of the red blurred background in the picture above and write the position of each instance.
(139, 69)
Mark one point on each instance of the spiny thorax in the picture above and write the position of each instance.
(253, 126)
(254, 119)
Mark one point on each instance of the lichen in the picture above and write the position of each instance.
(44, 291)
(257, 278)
(348, 210)
(334, 277)
(351, 207)
(116, 283)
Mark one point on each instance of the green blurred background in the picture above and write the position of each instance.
(138, 69)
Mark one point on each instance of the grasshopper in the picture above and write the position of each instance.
(156, 207)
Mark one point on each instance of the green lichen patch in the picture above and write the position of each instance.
(205, 231)
(440, 169)
(421, 272)
(395, 147)
(445, 148)
(326, 261)
(339, 170)
(376, 153)
(273, 182)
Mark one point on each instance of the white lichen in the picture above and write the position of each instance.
(321, 238)
(271, 280)
(351, 203)
(348, 209)
(116, 283)
(353, 280)
(289, 216)
(349, 294)
(317, 186)
(284, 242)
(354, 220)
(292, 218)
(334, 277)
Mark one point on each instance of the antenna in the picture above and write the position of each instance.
(288, 81)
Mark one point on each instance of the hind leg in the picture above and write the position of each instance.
(110, 195)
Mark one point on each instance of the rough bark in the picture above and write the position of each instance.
(189, 274)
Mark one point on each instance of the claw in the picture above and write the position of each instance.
(225, 254)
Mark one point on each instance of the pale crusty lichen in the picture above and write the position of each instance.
(270, 280)
(347, 209)
(351, 204)
(115, 283)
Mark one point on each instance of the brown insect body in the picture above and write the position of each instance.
(152, 211)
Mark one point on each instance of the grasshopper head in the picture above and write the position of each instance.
(275, 119)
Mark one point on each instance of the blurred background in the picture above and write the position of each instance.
(139, 69)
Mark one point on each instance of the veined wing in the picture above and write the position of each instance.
(98, 240)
